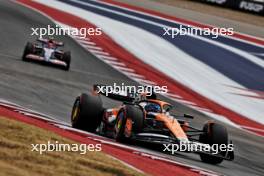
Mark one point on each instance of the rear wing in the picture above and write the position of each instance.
(57, 43)
(124, 97)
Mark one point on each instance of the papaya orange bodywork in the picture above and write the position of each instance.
(171, 123)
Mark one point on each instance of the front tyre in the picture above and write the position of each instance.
(87, 112)
(213, 134)
(66, 57)
(130, 119)
(29, 49)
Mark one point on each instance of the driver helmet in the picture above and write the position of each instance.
(50, 42)
(151, 107)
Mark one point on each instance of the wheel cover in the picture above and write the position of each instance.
(75, 110)
(119, 121)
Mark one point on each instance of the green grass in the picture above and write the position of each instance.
(17, 159)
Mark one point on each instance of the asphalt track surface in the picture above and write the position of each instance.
(52, 91)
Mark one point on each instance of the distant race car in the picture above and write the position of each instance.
(47, 51)
(146, 119)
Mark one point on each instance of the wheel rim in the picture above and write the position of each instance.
(119, 122)
(75, 110)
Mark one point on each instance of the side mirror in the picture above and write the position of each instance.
(167, 109)
(188, 116)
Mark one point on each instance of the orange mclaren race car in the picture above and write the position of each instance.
(147, 119)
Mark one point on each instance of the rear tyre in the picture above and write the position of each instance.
(66, 57)
(213, 134)
(129, 112)
(87, 112)
(29, 49)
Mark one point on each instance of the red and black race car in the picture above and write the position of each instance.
(147, 119)
(47, 51)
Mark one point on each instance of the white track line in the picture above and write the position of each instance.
(84, 42)
(124, 69)
(173, 95)
(115, 63)
(144, 81)
(94, 47)
(96, 52)
(108, 58)
(80, 38)
(134, 75)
